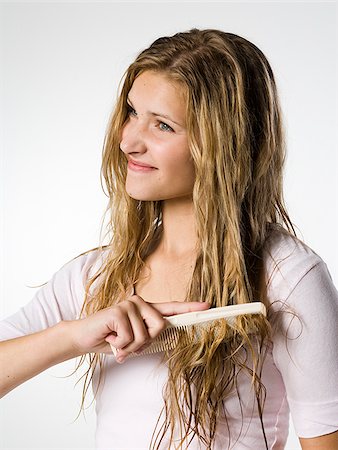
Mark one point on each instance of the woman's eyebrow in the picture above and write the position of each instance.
(157, 114)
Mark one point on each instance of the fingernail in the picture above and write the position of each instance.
(120, 359)
(140, 350)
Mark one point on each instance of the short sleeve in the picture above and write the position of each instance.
(61, 298)
(305, 351)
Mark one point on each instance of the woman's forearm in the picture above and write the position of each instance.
(24, 357)
(129, 326)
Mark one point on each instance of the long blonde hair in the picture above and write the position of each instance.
(235, 133)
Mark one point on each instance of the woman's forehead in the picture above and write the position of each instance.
(158, 95)
(156, 78)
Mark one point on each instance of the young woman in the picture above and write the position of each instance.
(193, 161)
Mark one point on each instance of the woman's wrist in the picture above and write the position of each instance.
(65, 332)
(26, 356)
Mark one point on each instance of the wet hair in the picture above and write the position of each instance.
(236, 138)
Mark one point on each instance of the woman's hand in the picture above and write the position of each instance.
(129, 326)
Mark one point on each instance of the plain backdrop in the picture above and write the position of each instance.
(60, 68)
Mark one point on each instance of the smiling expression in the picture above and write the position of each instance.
(154, 140)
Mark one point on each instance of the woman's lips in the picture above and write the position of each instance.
(138, 168)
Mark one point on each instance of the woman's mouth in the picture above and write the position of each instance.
(139, 167)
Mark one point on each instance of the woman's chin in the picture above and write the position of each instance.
(144, 197)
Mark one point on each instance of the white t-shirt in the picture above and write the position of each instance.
(300, 372)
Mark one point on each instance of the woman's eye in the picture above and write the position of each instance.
(130, 110)
(165, 127)
(162, 126)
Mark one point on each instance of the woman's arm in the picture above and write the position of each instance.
(306, 352)
(24, 357)
(327, 442)
(61, 298)
(129, 326)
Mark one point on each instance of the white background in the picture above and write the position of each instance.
(60, 65)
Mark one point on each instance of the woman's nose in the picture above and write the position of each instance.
(133, 139)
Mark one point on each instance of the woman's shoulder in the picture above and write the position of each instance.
(89, 259)
(303, 312)
(77, 271)
(287, 260)
(281, 245)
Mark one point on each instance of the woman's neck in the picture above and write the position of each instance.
(179, 236)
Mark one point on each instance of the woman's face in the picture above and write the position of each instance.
(154, 140)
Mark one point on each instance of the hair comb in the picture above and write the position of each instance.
(180, 324)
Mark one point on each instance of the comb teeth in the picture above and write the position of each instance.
(187, 328)
(169, 338)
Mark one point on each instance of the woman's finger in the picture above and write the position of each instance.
(138, 322)
(130, 329)
(140, 331)
(172, 308)
(123, 332)
(151, 318)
